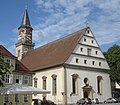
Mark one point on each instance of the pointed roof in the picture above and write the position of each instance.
(19, 66)
(25, 21)
(54, 53)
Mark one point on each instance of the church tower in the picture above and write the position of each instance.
(24, 43)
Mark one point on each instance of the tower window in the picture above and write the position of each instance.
(18, 53)
(85, 61)
(77, 60)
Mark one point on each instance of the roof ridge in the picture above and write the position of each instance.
(66, 36)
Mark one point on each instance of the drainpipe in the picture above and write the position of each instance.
(65, 87)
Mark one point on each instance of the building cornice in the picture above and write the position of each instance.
(86, 68)
(89, 56)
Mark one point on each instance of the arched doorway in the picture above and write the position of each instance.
(87, 92)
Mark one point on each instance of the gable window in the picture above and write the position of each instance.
(92, 41)
(85, 61)
(44, 82)
(74, 83)
(96, 52)
(77, 60)
(6, 98)
(16, 98)
(54, 84)
(25, 98)
(99, 84)
(88, 31)
(100, 63)
(81, 49)
(93, 62)
(84, 39)
(88, 51)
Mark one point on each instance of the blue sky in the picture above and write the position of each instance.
(53, 19)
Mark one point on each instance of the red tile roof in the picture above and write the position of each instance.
(53, 53)
(19, 67)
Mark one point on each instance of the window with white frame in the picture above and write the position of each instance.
(16, 98)
(25, 98)
(18, 79)
(25, 80)
(8, 78)
(6, 98)
(74, 83)
(54, 84)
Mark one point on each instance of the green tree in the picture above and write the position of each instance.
(4, 68)
(113, 59)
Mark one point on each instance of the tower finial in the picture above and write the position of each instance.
(26, 7)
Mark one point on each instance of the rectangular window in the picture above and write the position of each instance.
(81, 49)
(18, 79)
(85, 61)
(16, 98)
(77, 60)
(84, 39)
(100, 63)
(88, 51)
(96, 52)
(25, 80)
(54, 86)
(6, 98)
(99, 84)
(93, 62)
(44, 84)
(8, 78)
(25, 98)
(74, 84)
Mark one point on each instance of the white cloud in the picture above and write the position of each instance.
(67, 16)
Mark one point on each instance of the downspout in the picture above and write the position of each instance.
(65, 87)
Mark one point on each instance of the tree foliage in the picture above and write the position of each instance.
(4, 69)
(113, 59)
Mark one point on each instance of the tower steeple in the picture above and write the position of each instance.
(25, 21)
(24, 43)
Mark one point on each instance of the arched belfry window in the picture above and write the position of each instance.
(99, 84)
(44, 78)
(54, 84)
(74, 83)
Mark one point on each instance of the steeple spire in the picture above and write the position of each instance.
(25, 21)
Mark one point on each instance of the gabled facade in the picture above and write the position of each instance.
(18, 74)
(72, 68)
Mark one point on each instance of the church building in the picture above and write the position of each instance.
(72, 67)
